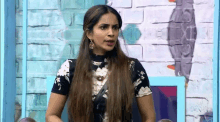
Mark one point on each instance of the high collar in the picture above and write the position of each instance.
(98, 58)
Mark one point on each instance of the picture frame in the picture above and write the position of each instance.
(178, 82)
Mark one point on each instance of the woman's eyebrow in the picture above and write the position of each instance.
(108, 24)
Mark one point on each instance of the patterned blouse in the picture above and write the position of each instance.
(65, 74)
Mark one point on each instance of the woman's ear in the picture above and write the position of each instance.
(89, 34)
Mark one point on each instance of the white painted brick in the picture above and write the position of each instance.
(160, 14)
(153, 34)
(120, 3)
(203, 52)
(204, 13)
(133, 16)
(197, 118)
(204, 2)
(199, 88)
(201, 71)
(210, 33)
(156, 53)
(155, 69)
(41, 18)
(135, 51)
(204, 32)
(201, 33)
(202, 41)
(143, 3)
(210, 104)
(189, 119)
(196, 106)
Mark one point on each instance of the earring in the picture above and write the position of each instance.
(91, 44)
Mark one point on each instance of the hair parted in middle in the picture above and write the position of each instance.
(120, 87)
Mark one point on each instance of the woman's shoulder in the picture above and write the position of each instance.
(133, 61)
(67, 67)
(71, 61)
(72, 64)
(135, 65)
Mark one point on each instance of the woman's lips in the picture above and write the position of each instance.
(110, 43)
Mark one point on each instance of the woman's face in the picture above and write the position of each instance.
(105, 30)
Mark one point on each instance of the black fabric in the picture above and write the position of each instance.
(99, 104)
(65, 74)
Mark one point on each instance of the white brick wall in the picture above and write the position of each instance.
(121, 3)
(203, 53)
(146, 3)
(155, 69)
(204, 13)
(201, 70)
(133, 16)
(153, 15)
(135, 51)
(199, 88)
(156, 54)
(153, 34)
(196, 106)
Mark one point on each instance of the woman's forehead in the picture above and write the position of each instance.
(109, 19)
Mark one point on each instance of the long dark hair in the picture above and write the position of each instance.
(120, 87)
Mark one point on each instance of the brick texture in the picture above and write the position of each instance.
(55, 31)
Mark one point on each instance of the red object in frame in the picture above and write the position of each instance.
(169, 90)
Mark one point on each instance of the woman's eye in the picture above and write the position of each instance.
(102, 27)
(116, 28)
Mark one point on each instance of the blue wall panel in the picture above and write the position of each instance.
(216, 74)
(8, 61)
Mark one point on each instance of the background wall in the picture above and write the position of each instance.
(55, 30)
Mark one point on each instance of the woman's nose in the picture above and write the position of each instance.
(111, 32)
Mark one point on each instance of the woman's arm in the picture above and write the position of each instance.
(146, 108)
(55, 107)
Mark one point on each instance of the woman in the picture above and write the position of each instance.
(101, 60)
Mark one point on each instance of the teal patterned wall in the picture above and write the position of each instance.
(54, 34)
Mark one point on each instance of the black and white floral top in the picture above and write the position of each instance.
(65, 74)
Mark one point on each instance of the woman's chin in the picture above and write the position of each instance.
(109, 49)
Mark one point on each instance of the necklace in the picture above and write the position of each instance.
(101, 74)
(101, 78)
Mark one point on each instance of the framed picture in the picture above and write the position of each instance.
(169, 99)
